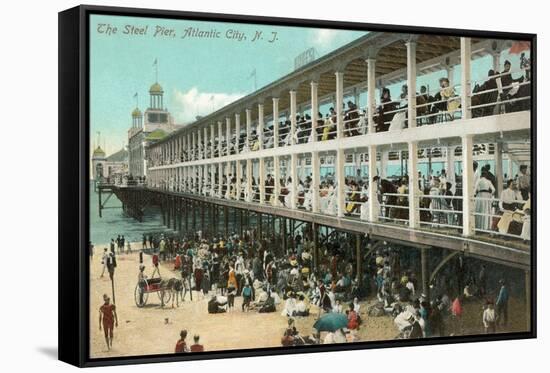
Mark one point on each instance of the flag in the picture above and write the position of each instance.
(155, 63)
(253, 73)
(135, 95)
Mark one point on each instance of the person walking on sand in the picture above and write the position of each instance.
(502, 304)
(489, 319)
(155, 260)
(144, 242)
(104, 262)
(108, 319)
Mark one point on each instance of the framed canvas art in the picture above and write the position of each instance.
(234, 186)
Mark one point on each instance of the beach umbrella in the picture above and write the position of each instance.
(331, 322)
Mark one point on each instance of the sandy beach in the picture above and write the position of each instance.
(144, 331)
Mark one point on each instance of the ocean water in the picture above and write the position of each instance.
(114, 222)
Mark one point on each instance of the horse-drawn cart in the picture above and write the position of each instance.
(148, 286)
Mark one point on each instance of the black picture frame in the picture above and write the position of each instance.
(74, 140)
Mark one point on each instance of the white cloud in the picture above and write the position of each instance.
(322, 37)
(187, 105)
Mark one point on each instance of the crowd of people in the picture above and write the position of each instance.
(499, 93)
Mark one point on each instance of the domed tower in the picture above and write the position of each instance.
(98, 162)
(156, 94)
(137, 118)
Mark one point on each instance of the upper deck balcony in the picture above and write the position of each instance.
(292, 160)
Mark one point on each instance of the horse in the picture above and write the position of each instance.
(174, 287)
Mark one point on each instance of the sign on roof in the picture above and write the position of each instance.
(305, 57)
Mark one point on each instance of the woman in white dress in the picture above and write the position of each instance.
(484, 191)
(332, 207)
(308, 195)
(365, 192)
(288, 196)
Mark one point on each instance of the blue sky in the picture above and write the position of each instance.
(193, 70)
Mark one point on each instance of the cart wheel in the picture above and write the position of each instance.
(140, 296)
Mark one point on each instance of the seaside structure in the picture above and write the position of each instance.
(274, 154)
(148, 127)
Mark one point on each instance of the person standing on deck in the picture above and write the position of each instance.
(108, 319)
(502, 304)
(524, 182)
(484, 190)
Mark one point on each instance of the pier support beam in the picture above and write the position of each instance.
(424, 260)
(358, 259)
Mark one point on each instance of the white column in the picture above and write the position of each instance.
(373, 213)
(314, 109)
(261, 124)
(315, 180)
(188, 148)
(465, 60)
(194, 145)
(411, 83)
(220, 179)
(371, 90)
(220, 138)
(340, 179)
(498, 169)
(248, 124)
(339, 103)
(261, 179)
(205, 149)
(496, 61)
(212, 178)
(237, 132)
(239, 175)
(199, 148)
(414, 213)
(228, 134)
(276, 177)
(276, 122)
(384, 164)
(292, 116)
(294, 176)
(249, 179)
(212, 140)
(468, 220)
(451, 174)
